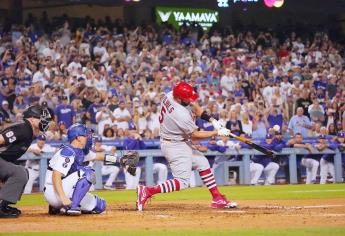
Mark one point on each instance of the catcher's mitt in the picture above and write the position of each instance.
(129, 162)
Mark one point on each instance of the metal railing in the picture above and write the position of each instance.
(223, 174)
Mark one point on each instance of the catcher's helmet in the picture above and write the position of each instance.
(185, 92)
(76, 130)
(40, 112)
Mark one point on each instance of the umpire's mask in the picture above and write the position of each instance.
(43, 113)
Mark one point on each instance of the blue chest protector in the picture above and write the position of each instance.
(78, 154)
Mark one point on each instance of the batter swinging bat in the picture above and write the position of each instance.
(262, 149)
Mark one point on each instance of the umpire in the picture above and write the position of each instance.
(14, 141)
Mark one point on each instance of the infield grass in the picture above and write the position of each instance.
(276, 192)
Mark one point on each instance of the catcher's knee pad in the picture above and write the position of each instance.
(101, 204)
(90, 175)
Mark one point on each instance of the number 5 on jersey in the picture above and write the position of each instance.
(161, 116)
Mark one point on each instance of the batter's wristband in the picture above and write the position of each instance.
(205, 116)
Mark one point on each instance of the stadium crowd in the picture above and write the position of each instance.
(111, 77)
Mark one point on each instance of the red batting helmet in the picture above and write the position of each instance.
(185, 92)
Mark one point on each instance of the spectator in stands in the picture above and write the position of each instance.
(316, 111)
(274, 116)
(300, 123)
(304, 102)
(19, 104)
(108, 133)
(247, 124)
(332, 129)
(260, 125)
(94, 107)
(228, 82)
(5, 113)
(53, 132)
(62, 130)
(112, 101)
(65, 112)
(233, 124)
(103, 116)
(122, 116)
(153, 120)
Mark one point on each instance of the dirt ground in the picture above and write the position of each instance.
(187, 215)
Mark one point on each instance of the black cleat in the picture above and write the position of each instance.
(14, 210)
(5, 213)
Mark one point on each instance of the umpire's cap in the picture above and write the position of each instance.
(33, 112)
(39, 112)
(185, 92)
(43, 113)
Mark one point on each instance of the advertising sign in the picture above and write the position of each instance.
(178, 16)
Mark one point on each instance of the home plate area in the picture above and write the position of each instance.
(187, 215)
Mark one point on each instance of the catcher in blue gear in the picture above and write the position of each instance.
(69, 178)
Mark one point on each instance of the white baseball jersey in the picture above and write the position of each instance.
(176, 122)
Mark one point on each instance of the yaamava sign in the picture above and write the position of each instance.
(177, 16)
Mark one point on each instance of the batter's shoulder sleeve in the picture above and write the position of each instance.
(62, 160)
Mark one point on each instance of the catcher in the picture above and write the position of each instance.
(68, 178)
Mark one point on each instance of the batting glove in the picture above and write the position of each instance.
(216, 124)
(223, 132)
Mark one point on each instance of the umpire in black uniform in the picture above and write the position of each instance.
(14, 141)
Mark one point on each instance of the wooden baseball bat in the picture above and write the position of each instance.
(262, 149)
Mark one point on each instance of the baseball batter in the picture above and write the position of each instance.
(177, 128)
